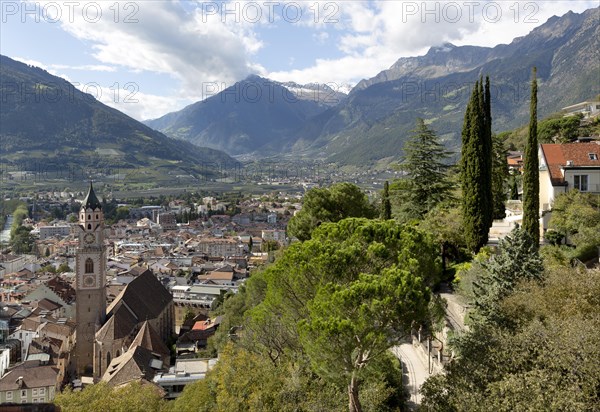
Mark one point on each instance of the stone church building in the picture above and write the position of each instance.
(141, 315)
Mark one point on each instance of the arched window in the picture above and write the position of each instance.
(89, 217)
(107, 359)
(96, 215)
(89, 226)
(89, 266)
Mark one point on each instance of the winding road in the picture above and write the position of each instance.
(415, 370)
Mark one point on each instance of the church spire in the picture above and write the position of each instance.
(91, 201)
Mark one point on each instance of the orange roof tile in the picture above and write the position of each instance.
(557, 155)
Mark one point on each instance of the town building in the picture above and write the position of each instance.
(184, 372)
(564, 167)
(29, 382)
(588, 109)
(54, 231)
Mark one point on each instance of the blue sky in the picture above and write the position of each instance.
(148, 58)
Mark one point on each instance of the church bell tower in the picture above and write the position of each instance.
(90, 280)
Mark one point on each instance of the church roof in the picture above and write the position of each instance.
(137, 362)
(149, 339)
(144, 295)
(119, 325)
(91, 201)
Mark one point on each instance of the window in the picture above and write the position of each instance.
(9, 396)
(23, 393)
(89, 217)
(593, 156)
(89, 266)
(34, 392)
(42, 391)
(580, 182)
(89, 226)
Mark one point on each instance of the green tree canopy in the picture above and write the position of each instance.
(546, 360)
(350, 325)
(576, 217)
(378, 268)
(340, 201)
(134, 397)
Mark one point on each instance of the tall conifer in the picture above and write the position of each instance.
(531, 183)
(499, 178)
(473, 165)
(487, 150)
(476, 167)
(386, 206)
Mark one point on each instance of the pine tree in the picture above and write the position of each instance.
(425, 165)
(476, 172)
(531, 183)
(386, 206)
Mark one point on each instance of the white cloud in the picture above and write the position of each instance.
(321, 37)
(86, 67)
(162, 37)
(139, 105)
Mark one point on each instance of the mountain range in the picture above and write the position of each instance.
(261, 117)
(47, 123)
(254, 115)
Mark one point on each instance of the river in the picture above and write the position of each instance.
(5, 234)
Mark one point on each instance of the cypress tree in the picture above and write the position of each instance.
(473, 176)
(514, 189)
(499, 177)
(386, 206)
(488, 154)
(531, 183)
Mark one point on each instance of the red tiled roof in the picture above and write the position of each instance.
(203, 325)
(557, 155)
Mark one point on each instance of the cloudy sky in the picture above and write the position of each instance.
(148, 58)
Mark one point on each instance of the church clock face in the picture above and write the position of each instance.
(89, 238)
(89, 280)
